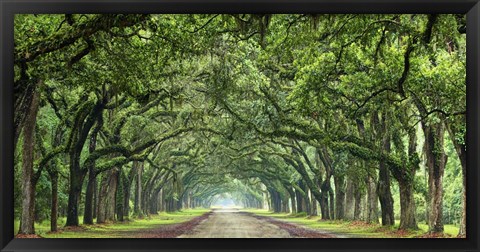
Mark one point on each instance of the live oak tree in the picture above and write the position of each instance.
(123, 116)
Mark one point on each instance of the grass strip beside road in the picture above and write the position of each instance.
(353, 229)
(120, 229)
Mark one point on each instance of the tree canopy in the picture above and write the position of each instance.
(122, 116)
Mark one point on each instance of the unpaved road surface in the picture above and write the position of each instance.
(231, 223)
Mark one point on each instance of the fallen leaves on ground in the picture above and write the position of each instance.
(28, 236)
(434, 235)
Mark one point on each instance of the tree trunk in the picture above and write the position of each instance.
(92, 176)
(102, 199)
(299, 197)
(23, 104)
(384, 184)
(119, 200)
(349, 200)
(76, 181)
(137, 208)
(153, 209)
(372, 201)
(313, 206)
(407, 206)
(126, 200)
(53, 173)
(276, 201)
(358, 199)
(339, 197)
(386, 199)
(28, 180)
(384, 192)
(54, 206)
(111, 195)
(306, 205)
(95, 200)
(161, 200)
(88, 211)
(305, 201)
(324, 207)
(77, 174)
(405, 183)
(436, 161)
(332, 203)
(292, 198)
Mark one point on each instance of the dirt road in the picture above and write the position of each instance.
(231, 223)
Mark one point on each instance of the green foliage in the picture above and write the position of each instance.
(241, 105)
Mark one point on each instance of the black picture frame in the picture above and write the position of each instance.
(10, 7)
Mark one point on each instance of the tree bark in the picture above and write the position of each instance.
(324, 208)
(339, 197)
(383, 189)
(313, 206)
(28, 180)
(292, 198)
(85, 122)
(436, 161)
(102, 199)
(357, 194)
(304, 199)
(385, 198)
(23, 104)
(299, 197)
(349, 200)
(325, 187)
(92, 175)
(54, 204)
(126, 200)
(405, 182)
(95, 200)
(372, 201)
(407, 206)
(111, 195)
(332, 203)
(89, 201)
(53, 173)
(137, 208)
(119, 197)
(76, 182)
